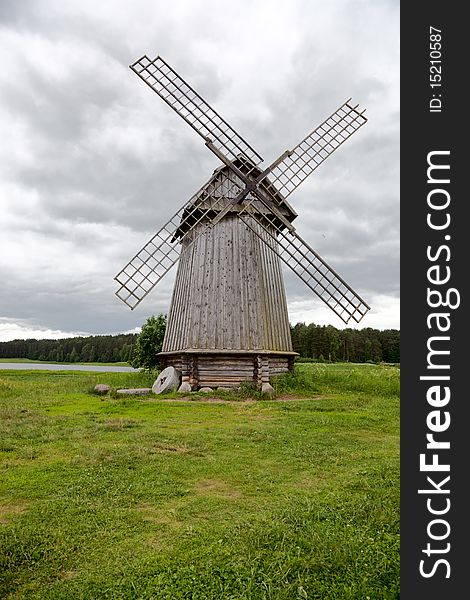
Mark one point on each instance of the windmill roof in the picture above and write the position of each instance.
(222, 188)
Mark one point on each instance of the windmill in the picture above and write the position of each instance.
(228, 319)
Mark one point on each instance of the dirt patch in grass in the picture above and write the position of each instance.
(157, 516)
(8, 511)
(66, 575)
(152, 513)
(117, 423)
(217, 400)
(289, 397)
(176, 448)
(216, 487)
(188, 399)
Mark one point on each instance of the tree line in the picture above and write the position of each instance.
(326, 343)
(96, 348)
(312, 342)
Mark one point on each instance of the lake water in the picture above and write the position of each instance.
(68, 367)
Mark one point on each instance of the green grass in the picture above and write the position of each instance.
(52, 362)
(146, 498)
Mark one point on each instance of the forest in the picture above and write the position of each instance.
(322, 343)
(96, 348)
(325, 343)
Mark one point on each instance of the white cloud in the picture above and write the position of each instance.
(92, 162)
(24, 331)
(384, 314)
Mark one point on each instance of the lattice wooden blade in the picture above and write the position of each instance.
(316, 147)
(161, 252)
(163, 80)
(311, 268)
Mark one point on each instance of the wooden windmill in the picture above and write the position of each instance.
(228, 319)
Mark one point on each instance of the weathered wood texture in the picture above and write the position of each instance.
(228, 318)
(229, 293)
(227, 369)
(223, 187)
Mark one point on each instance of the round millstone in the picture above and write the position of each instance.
(168, 381)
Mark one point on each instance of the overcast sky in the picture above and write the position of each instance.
(92, 161)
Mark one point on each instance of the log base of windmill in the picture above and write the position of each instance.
(219, 368)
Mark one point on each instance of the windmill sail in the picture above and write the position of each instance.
(178, 94)
(157, 257)
(260, 202)
(310, 267)
(300, 257)
(316, 147)
(153, 261)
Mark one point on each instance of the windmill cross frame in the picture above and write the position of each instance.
(288, 171)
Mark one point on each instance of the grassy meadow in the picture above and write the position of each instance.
(229, 498)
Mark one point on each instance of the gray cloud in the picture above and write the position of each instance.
(92, 162)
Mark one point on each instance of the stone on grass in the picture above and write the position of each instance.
(206, 389)
(168, 381)
(184, 387)
(268, 390)
(134, 391)
(102, 388)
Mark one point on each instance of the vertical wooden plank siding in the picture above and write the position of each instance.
(229, 293)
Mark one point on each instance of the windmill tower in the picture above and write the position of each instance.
(228, 319)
